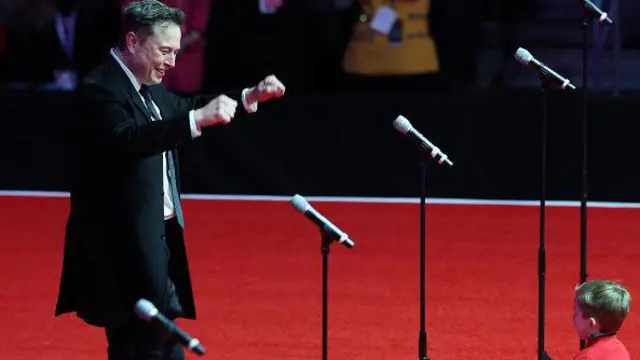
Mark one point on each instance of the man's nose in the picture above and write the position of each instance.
(170, 61)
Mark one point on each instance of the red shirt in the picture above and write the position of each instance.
(604, 348)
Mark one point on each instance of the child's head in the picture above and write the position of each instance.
(600, 306)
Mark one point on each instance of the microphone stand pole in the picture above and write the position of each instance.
(427, 149)
(327, 239)
(422, 337)
(434, 153)
(542, 258)
(585, 184)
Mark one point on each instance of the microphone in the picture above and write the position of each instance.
(404, 126)
(592, 10)
(525, 58)
(303, 206)
(148, 312)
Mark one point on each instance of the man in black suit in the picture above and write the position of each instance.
(124, 236)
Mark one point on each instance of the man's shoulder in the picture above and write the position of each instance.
(100, 76)
(104, 75)
(99, 82)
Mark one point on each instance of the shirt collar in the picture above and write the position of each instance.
(134, 81)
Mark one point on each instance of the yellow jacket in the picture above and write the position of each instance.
(373, 53)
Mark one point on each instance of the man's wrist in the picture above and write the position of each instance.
(194, 122)
(198, 115)
(250, 100)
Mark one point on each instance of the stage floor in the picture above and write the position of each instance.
(256, 267)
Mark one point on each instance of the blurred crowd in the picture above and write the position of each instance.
(314, 46)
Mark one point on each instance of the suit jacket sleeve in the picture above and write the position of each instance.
(108, 116)
(186, 104)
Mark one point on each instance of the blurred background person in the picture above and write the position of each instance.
(52, 43)
(402, 59)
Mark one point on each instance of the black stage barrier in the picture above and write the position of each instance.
(347, 146)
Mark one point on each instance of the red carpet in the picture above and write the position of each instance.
(257, 273)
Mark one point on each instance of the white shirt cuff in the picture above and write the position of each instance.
(251, 108)
(195, 132)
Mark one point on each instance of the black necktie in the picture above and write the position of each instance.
(171, 170)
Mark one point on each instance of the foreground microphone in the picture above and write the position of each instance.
(404, 126)
(525, 58)
(304, 207)
(148, 312)
(592, 10)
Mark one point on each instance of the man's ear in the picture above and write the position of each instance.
(132, 41)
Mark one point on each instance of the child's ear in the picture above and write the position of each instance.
(593, 323)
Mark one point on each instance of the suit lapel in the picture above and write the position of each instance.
(133, 94)
(135, 97)
(157, 99)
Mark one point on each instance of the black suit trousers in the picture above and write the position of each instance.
(139, 340)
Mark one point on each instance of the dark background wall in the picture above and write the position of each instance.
(328, 137)
(346, 145)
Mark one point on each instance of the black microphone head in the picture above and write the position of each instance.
(300, 203)
(196, 347)
(145, 309)
(523, 56)
(348, 243)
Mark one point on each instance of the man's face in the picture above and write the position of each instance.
(155, 55)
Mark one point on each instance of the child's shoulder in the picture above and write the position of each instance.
(605, 349)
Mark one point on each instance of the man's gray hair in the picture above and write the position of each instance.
(144, 17)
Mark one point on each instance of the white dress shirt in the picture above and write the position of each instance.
(195, 132)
